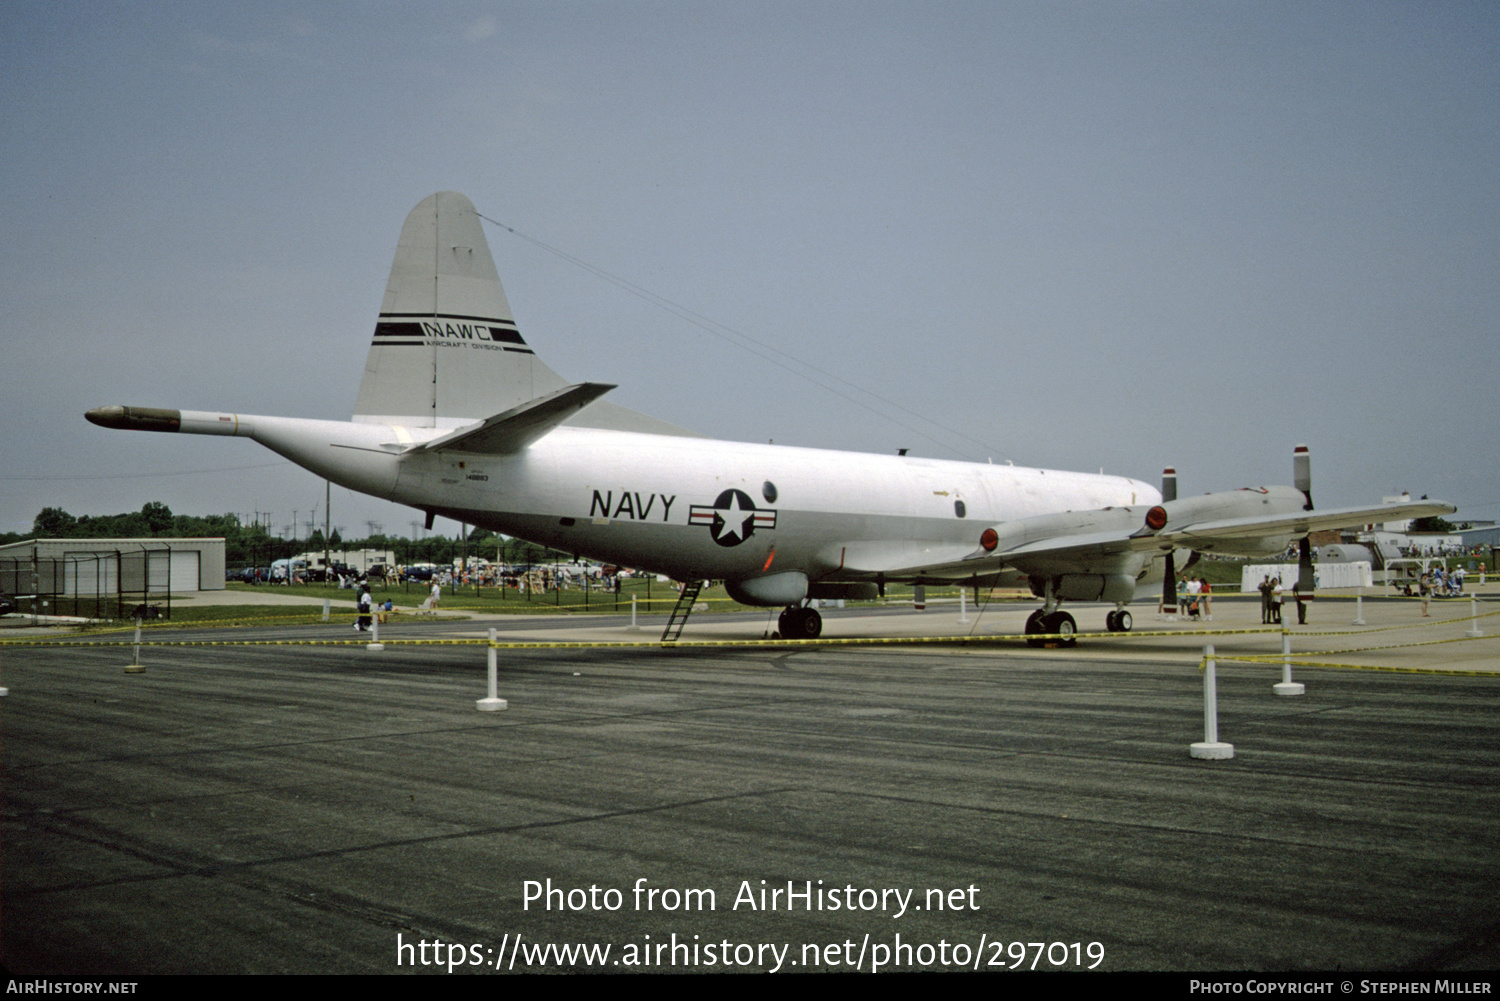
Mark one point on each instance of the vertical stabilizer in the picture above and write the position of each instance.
(446, 350)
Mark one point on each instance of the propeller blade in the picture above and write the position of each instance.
(1304, 567)
(1169, 575)
(1302, 473)
(1169, 586)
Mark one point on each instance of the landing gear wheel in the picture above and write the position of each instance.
(1034, 625)
(812, 624)
(1118, 621)
(1063, 624)
(800, 623)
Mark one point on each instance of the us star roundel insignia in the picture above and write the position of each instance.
(732, 518)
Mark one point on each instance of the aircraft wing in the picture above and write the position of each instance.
(1214, 534)
(519, 426)
(1076, 554)
(1106, 541)
(898, 559)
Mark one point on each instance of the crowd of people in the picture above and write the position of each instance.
(1436, 582)
(1418, 551)
(1195, 599)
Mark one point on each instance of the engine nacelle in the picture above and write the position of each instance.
(1155, 571)
(1013, 534)
(1010, 536)
(1262, 502)
(843, 590)
(1248, 503)
(771, 590)
(1086, 587)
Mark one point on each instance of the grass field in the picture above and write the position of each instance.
(652, 597)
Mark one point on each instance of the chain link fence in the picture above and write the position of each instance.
(122, 584)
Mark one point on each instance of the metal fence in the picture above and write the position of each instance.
(118, 584)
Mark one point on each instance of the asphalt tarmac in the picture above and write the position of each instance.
(331, 809)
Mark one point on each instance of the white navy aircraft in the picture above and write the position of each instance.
(458, 417)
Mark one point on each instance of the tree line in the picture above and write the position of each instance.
(253, 544)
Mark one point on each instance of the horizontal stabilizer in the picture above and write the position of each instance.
(518, 427)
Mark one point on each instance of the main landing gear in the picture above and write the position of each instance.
(798, 622)
(1061, 624)
(1044, 622)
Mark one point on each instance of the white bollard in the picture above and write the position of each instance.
(374, 643)
(1211, 748)
(1474, 629)
(632, 628)
(493, 702)
(963, 607)
(1359, 606)
(327, 608)
(1287, 686)
(135, 667)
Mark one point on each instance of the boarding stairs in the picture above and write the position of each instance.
(681, 611)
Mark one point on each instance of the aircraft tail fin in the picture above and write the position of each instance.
(446, 349)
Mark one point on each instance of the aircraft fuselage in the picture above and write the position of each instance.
(685, 507)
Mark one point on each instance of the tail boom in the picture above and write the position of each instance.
(362, 457)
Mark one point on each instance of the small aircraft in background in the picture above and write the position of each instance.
(458, 417)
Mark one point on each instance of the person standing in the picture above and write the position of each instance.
(363, 625)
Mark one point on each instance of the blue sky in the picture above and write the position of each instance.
(1079, 236)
